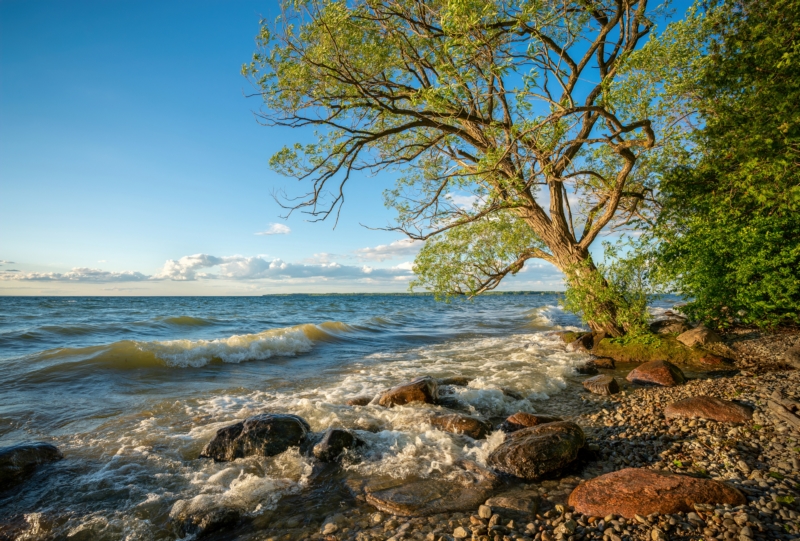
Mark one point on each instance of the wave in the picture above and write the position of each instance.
(187, 321)
(131, 354)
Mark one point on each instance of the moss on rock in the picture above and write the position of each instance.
(570, 336)
(662, 348)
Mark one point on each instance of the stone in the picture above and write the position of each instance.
(706, 407)
(699, 336)
(329, 528)
(792, 356)
(457, 423)
(714, 360)
(588, 368)
(192, 518)
(641, 491)
(460, 533)
(604, 363)
(268, 434)
(511, 393)
(424, 389)
(20, 461)
(484, 511)
(521, 420)
(602, 384)
(514, 502)
(534, 452)
(457, 381)
(464, 491)
(335, 442)
(583, 344)
(359, 400)
(669, 326)
(662, 373)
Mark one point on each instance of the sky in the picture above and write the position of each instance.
(131, 163)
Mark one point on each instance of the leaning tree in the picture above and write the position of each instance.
(507, 123)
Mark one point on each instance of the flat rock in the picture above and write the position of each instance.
(532, 453)
(662, 373)
(604, 363)
(511, 393)
(514, 502)
(190, 518)
(424, 389)
(707, 407)
(602, 385)
(19, 461)
(334, 442)
(471, 487)
(714, 360)
(457, 381)
(359, 400)
(458, 423)
(638, 491)
(673, 325)
(268, 434)
(521, 420)
(699, 336)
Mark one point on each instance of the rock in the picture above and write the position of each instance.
(714, 360)
(452, 402)
(359, 400)
(470, 488)
(533, 452)
(699, 336)
(638, 491)
(706, 407)
(457, 381)
(460, 533)
(588, 368)
(189, 518)
(584, 343)
(268, 434)
(514, 503)
(511, 393)
(604, 362)
(424, 389)
(669, 326)
(603, 385)
(19, 461)
(334, 443)
(458, 423)
(329, 528)
(662, 373)
(792, 356)
(484, 511)
(521, 420)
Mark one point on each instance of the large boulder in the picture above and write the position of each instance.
(603, 385)
(532, 453)
(424, 389)
(669, 326)
(334, 442)
(19, 461)
(638, 491)
(584, 343)
(268, 434)
(464, 490)
(521, 420)
(699, 336)
(662, 373)
(199, 517)
(458, 423)
(707, 407)
(516, 502)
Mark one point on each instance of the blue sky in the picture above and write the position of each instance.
(130, 163)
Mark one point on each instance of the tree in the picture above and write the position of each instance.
(520, 104)
(729, 233)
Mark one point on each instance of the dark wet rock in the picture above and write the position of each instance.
(583, 343)
(588, 368)
(662, 373)
(511, 393)
(707, 407)
(466, 492)
(359, 400)
(638, 491)
(604, 363)
(532, 453)
(602, 385)
(458, 423)
(187, 521)
(335, 442)
(457, 381)
(521, 420)
(452, 402)
(515, 502)
(19, 461)
(674, 325)
(699, 336)
(424, 389)
(268, 434)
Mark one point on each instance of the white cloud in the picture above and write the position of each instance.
(4, 262)
(465, 202)
(382, 252)
(78, 274)
(276, 229)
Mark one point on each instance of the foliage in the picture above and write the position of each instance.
(729, 233)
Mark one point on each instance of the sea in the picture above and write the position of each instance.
(130, 389)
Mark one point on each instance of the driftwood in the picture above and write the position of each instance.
(785, 409)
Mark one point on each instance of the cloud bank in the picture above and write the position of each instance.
(276, 229)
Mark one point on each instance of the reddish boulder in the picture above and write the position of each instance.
(662, 373)
(603, 385)
(534, 452)
(424, 389)
(521, 420)
(706, 407)
(457, 423)
(638, 491)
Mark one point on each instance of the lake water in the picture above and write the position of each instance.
(131, 389)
